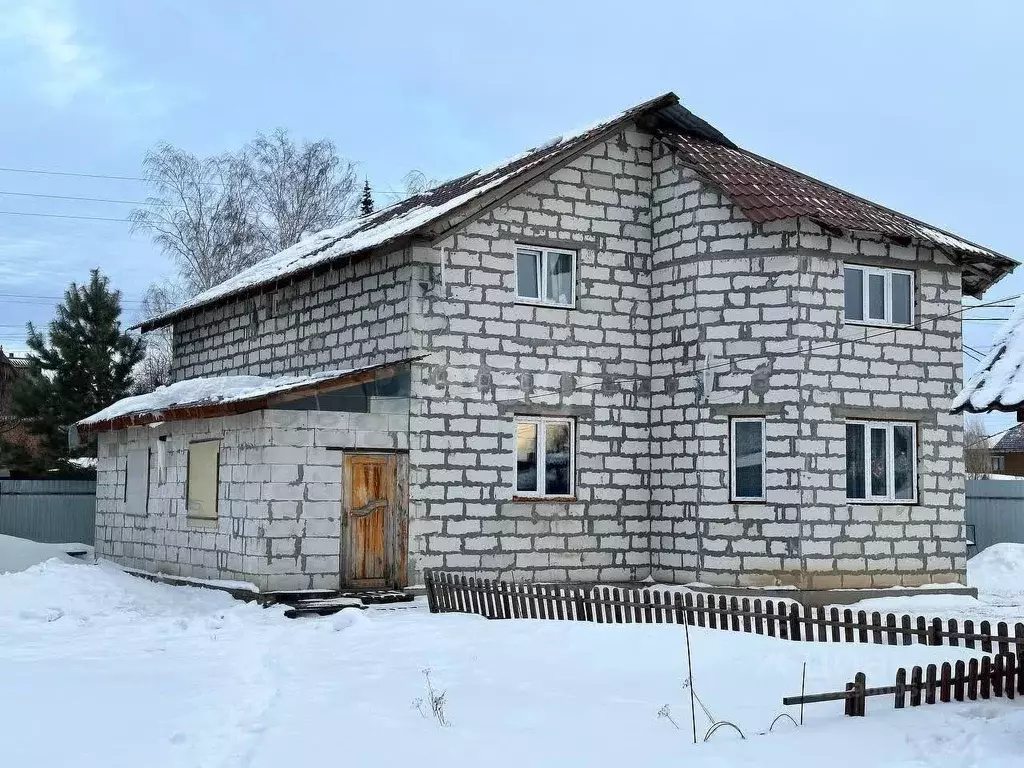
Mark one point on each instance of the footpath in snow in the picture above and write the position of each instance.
(100, 669)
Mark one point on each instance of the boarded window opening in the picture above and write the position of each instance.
(136, 482)
(202, 481)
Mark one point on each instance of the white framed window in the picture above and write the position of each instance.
(876, 296)
(881, 461)
(202, 480)
(998, 463)
(546, 276)
(746, 458)
(545, 457)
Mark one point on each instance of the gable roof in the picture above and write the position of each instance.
(211, 396)
(764, 190)
(767, 191)
(1012, 441)
(998, 384)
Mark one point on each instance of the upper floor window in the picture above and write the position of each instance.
(881, 461)
(879, 296)
(546, 276)
(998, 463)
(544, 456)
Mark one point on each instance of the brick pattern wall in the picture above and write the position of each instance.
(279, 496)
(493, 357)
(352, 315)
(669, 272)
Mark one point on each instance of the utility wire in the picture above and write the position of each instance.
(42, 172)
(83, 199)
(62, 216)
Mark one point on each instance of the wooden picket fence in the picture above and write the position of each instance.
(998, 677)
(448, 592)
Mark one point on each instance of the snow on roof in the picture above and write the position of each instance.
(210, 391)
(998, 384)
(400, 220)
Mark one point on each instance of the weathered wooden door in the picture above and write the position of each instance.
(374, 543)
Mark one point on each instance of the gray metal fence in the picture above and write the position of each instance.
(51, 511)
(995, 513)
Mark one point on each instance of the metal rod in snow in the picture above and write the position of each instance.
(689, 673)
(803, 683)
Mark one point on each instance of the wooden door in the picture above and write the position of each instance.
(374, 543)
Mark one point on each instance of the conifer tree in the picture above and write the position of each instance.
(366, 204)
(83, 364)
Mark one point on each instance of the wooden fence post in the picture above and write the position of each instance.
(860, 683)
(794, 621)
(901, 688)
(428, 580)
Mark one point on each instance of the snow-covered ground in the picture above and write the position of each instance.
(100, 668)
(18, 554)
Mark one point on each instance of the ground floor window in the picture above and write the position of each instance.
(545, 460)
(881, 461)
(746, 458)
(203, 476)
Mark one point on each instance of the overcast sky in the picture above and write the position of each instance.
(916, 105)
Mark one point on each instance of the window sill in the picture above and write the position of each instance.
(880, 324)
(747, 501)
(882, 502)
(201, 522)
(543, 499)
(542, 303)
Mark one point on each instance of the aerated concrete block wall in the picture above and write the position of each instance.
(350, 315)
(279, 504)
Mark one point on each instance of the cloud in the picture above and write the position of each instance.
(43, 48)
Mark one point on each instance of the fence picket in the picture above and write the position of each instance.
(794, 621)
(968, 630)
(901, 688)
(745, 607)
(833, 615)
(959, 674)
(922, 632)
(758, 616)
(929, 694)
(1010, 662)
(616, 605)
(985, 628)
(700, 610)
(972, 679)
(953, 632)
(905, 630)
(562, 603)
(1003, 631)
(648, 616)
(848, 621)
(985, 677)
(689, 615)
(945, 679)
(1018, 633)
(876, 631)
(890, 622)
(915, 687)
(769, 617)
(862, 629)
(734, 610)
(998, 673)
(679, 607)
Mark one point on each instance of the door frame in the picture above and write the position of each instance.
(396, 532)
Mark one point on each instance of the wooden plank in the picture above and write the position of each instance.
(915, 687)
(953, 639)
(972, 679)
(488, 596)
(876, 632)
(969, 630)
(617, 605)
(833, 615)
(959, 678)
(985, 677)
(998, 673)
(680, 605)
(862, 627)
(794, 621)
(901, 688)
(1010, 662)
(648, 617)
(848, 622)
(700, 611)
(905, 630)
(561, 599)
(985, 628)
(860, 684)
(890, 622)
(1018, 633)
(945, 681)
(689, 615)
(506, 603)
(659, 609)
(849, 708)
(1003, 631)
(922, 633)
(822, 621)
(758, 616)
(930, 685)
(745, 606)
(734, 614)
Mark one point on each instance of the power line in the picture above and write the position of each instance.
(62, 216)
(42, 172)
(84, 199)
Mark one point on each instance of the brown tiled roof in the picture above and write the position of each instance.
(767, 191)
(1012, 441)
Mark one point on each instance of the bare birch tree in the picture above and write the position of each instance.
(977, 451)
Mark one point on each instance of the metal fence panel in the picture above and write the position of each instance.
(49, 511)
(995, 512)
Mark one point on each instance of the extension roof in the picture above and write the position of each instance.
(762, 189)
(211, 396)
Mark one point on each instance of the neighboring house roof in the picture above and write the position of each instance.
(225, 395)
(1012, 441)
(766, 191)
(998, 384)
